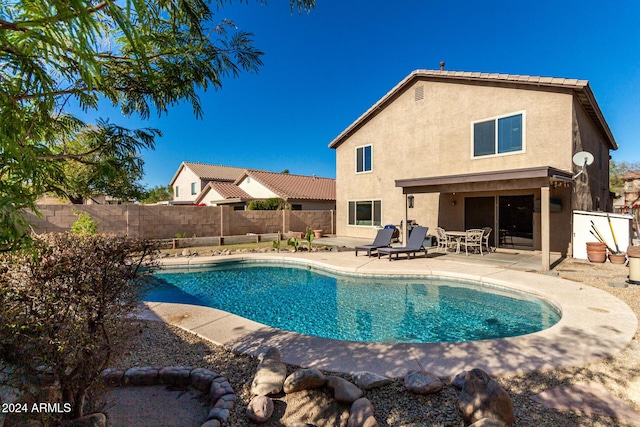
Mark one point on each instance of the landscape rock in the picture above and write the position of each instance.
(487, 422)
(212, 423)
(270, 374)
(482, 397)
(260, 409)
(343, 390)
(186, 252)
(369, 380)
(315, 407)
(304, 379)
(362, 414)
(458, 381)
(422, 382)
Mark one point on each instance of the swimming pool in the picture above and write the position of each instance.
(314, 302)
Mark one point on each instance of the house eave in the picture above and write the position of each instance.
(515, 177)
(579, 87)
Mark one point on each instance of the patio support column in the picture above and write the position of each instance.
(545, 227)
(405, 238)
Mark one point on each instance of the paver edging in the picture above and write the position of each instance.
(215, 387)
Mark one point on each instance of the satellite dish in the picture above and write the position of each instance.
(582, 159)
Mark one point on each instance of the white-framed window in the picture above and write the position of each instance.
(176, 190)
(364, 159)
(366, 213)
(193, 189)
(498, 135)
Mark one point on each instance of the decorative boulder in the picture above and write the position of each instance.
(270, 374)
(260, 409)
(369, 380)
(304, 379)
(422, 382)
(361, 414)
(482, 397)
(343, 390)
(487, 422)
(458, 381)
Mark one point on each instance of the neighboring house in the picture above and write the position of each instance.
(191, 178)
(299, 192)
(215, 185)
(465, 150)
(631, 189)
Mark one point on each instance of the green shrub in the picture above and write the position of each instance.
(84, 224)
(63, 308)
(273, 204)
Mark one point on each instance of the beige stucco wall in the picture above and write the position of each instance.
(432, 137)
(211, 197)
(183, 181)
(594, 183)
(256, 189)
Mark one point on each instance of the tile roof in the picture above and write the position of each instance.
(630, 176)
(289, 186)
(229, 190)
(581, 88)
(211, 172)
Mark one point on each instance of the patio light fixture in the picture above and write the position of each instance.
(410, 201)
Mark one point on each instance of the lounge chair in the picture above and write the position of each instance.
(415, 244)
(382, 240)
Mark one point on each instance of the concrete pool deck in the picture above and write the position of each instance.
(594, 323)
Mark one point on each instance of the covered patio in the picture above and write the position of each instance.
(537, 184)
(501, 258)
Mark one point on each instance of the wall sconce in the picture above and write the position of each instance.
(453, 203)
(410, 201)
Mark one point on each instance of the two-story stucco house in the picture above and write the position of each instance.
(216, 185)
(299, 192)
(192, 177)
(465, 150)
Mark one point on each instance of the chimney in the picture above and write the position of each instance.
(441, 65)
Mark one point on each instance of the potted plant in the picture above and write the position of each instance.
(317, 233)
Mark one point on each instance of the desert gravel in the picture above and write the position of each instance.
(164, 345)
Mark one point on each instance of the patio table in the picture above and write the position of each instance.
(457, 236)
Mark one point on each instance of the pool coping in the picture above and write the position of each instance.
(594, 323)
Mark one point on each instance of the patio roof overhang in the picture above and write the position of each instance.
(541, 177)
(513, 179)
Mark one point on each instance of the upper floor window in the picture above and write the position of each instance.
(176, 189)
(364, 159)
(193, 189)
(499, 135)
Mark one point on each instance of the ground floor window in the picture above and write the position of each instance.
(365, 213)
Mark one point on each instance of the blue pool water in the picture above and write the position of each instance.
(378, 309)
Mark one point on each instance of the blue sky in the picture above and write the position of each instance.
(322, 70)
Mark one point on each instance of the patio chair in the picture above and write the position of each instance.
(473, 239)
(383, 239)
(485, 238)
(414, 244)
(443, 240)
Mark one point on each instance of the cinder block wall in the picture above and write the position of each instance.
(257, 222)
(164, 222)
